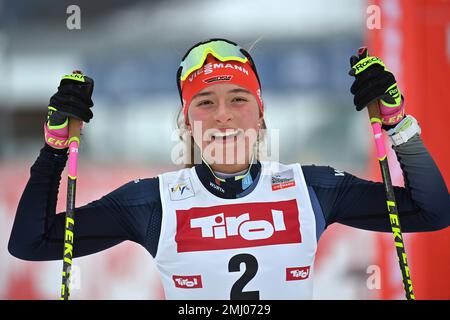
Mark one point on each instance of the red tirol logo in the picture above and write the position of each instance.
(238, 226)
(299, 273)
(187, 282)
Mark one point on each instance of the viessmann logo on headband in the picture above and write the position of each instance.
(209, 68)
(237, 226)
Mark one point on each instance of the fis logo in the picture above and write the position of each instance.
(237, 226)
(181, 190)
(180, 187)
(298, 273)
(188, 282)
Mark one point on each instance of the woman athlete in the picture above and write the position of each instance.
(231, 226)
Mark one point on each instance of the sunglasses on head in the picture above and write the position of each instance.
(222, 49)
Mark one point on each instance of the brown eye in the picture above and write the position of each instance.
(204, 103)
(240, 99)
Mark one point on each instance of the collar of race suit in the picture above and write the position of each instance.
(232, 187)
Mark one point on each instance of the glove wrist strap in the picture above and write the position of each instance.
(56, 138)
(392, 115)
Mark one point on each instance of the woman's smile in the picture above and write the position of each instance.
(225, 136)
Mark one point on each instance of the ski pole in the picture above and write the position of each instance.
(74, 141)
(375, 120)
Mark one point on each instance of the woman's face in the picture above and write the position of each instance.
(224, 120)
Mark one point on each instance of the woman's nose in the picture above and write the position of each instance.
(223, 113)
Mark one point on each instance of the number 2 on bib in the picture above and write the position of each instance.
(251, 267)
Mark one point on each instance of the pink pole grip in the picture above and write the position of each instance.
(74, 141)
(73, 157)
(377, 133)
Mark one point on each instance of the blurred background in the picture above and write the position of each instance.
(301, 48)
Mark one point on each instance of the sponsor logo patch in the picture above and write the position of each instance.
(237, 226)
(283, 180)
(217, 187)
(188, 282)
(209, 68)
(298, 273)
(218, 78)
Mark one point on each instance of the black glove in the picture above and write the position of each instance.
(73, 99)
(372, 80)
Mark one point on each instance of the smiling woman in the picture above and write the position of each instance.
(222, 109)
(232, 226)
(225, 125)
